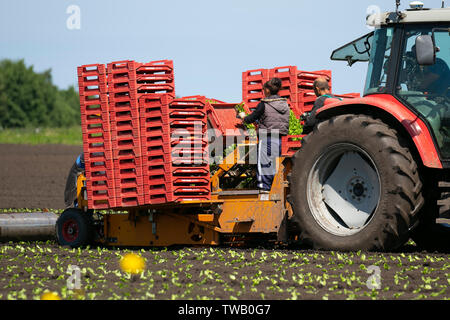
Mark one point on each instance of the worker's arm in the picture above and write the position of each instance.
(255, 115)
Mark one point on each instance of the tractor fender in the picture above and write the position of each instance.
(387, 104)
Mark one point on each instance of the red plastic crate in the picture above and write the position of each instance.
(92, 85)
(255, 76)
(306, 96)
(187, 133)
(188, 152)
(129, 201)
(200, 124)
(184, 161)
(288, 82)
(306, 78)
(222, 116)
(191, 171)
(289, 145)
(252, 85)
(126, 79)
(154, 78)
(206, 99)
(189, 115)
(191, 191)
(129, 180)
(313, 75)
(283, 72)
(190, 198)
(156, 67)
(190, 181)
(188, 104)
(90, 70)
(254, 96)
(120, 91)
(156, 88)
(125, 139)
(124, 66)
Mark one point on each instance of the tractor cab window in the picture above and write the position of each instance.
(357, 50)
(426, 88)
(379, 63)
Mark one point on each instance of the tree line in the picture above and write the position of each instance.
(29, 98)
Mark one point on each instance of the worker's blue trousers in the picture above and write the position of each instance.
(269, 149)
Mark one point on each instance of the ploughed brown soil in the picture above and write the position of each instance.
(35, 176)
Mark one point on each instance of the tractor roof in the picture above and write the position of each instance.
(411, 16)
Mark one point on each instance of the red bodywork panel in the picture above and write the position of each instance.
(414, 125)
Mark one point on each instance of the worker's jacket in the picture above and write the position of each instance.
(272, 114)
(311, 116)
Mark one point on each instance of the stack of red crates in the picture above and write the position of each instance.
(96, 132)
(252, 86)
(124, 119)
(155, 77)
(297, 86)
(189, 146)
(175, 145)
(155, 141)
(111, 127)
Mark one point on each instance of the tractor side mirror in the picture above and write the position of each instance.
(425, 50)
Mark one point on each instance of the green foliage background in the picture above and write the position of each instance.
(29, 99)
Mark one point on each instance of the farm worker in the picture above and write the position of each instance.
(322, 92)
(272, 115)
(70, 193)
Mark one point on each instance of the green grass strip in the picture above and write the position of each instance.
(35, 136)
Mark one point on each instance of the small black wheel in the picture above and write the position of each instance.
(74, 228)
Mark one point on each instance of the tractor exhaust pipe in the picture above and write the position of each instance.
(27, 226)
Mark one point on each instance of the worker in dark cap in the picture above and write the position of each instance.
(322, 90)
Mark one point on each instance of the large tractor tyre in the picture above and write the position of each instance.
(74, 228)
(354, 186)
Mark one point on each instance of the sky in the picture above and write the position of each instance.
(211, 42)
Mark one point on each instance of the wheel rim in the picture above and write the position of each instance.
(343, 189)
(70, 230)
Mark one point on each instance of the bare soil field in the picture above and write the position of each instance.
(35, 176)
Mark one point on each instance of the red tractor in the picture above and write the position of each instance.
(375, 170)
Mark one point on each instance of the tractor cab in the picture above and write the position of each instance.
(408, 57)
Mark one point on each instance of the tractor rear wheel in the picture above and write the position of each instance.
(354, 186)
(74, 228)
